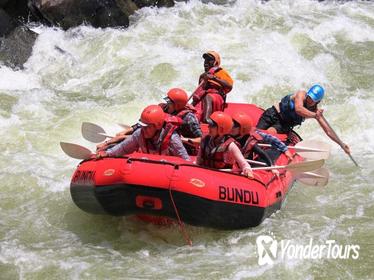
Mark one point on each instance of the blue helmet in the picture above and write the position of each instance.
(316, 92)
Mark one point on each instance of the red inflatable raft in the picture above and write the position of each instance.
(167, 186)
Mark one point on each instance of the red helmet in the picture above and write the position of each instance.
(215, 55)
(223, 121)
(178, 96)
(152, 114)
(244, 121)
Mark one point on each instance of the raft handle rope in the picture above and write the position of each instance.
(180, 223)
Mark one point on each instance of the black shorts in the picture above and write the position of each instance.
(271, 118)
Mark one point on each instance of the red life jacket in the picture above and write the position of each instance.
(187, 109)
(213, 156)
(203, 90)
(252, 140)
(174, 120)
(211, 86)
(161, 148)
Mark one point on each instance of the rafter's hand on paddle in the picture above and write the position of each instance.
(247, 171)
(319, 114)
(101, 146)
(275, 172)
(288, 155)
(346, 148)
(101, 154)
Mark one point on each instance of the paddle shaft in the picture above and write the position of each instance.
(340, 142)
(106, 135)
(125, 136)
(270, 167)
(256, 162)
(301, 149)
(189, 98)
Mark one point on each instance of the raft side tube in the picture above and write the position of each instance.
(123, 200)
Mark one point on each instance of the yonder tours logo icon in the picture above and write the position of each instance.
(267, 248)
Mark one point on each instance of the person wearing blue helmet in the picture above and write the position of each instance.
(293, 109)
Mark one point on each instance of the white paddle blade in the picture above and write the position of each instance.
(305, 166)
(318, 178)
(75, 151)
(313, 149)
(93, 132)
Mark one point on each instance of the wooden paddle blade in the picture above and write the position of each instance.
(93, 132)
(75, 151)
(305, 166)
(318, 178)
(313, 149)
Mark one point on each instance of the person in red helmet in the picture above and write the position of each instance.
(156, 136)
(218, 149)
(248, 137)
(214, 84)
(176, 105)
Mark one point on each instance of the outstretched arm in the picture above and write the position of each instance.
(331, 133)
(240, 160)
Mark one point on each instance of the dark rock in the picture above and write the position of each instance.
(3, 3)
(128, 7)
(71, 13)
(98, 13)
(16, 40)
(158, 3)
(18, 10)
(16, 48)
(7, 24)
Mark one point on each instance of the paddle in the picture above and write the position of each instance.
(319, 177)
(340, 142)
(93, 132)
(256, 162)
(311, 149)
(296, 168)
(96, 134)
(75, 151)
(189, 98)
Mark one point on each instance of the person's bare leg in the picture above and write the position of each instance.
(207, 107)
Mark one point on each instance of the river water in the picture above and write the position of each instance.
(107, 75)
